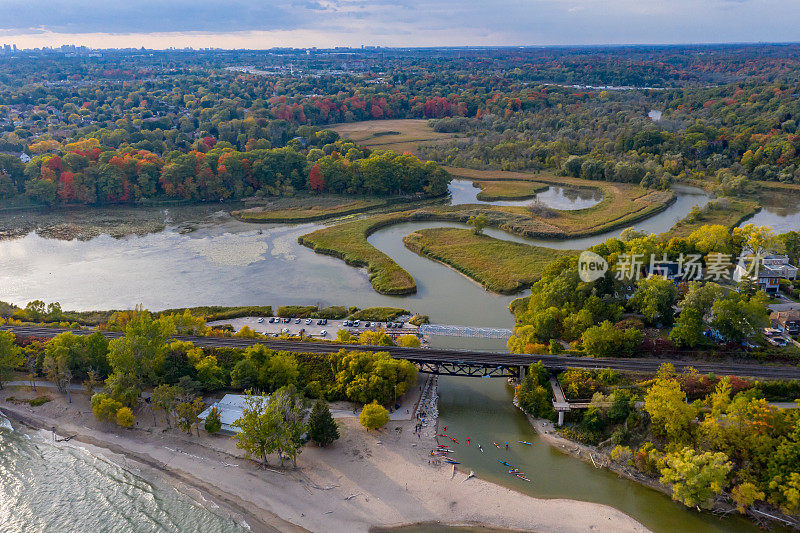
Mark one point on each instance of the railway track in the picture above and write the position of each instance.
(431, 357)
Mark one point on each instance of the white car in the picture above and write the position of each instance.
(323, 333)
(285, 330)
(261, 320)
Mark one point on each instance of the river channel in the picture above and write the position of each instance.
(227, 262)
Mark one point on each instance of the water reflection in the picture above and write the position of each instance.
(481, 409)
(781, 213)
(563, 198)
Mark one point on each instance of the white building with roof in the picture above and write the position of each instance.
(231, 408)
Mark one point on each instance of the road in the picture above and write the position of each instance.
(467, 358)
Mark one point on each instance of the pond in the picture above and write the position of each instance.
(563, 198)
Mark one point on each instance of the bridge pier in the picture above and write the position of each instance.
(522, 370)
(561, 418)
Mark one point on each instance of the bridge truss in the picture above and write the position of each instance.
(467, 369)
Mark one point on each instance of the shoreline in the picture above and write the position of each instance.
(364, 482)
(150, 469)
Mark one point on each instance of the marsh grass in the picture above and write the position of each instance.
(501, 266)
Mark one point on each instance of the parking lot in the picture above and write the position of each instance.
(312, 329)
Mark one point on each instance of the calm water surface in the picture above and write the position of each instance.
(781, 213)
(481, 409)
(564, 198)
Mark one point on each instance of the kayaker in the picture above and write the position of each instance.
(506, 446)
(467, 441)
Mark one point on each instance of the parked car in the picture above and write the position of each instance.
(285, 330)
(324, 321)
(271, 320)
(261, 320)
(377, 324)
(297, 321)
(356, 323)
(286, 320)
(323, 333)
(308, 321)
(366, 324)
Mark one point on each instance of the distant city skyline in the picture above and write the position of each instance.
(394, 23)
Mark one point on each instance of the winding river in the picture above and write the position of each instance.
(227, 262)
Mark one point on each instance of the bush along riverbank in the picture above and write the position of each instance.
(710, 442)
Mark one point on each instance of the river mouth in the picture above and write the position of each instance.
(482, 410)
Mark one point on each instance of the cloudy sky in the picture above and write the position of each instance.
(322, 23)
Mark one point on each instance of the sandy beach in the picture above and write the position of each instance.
(364, 480)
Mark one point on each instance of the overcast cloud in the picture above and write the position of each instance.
(266, 23)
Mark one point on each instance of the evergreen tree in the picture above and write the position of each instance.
(322, 429)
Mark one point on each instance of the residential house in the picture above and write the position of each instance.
(780, 263)
(766, 276)
(787, 321)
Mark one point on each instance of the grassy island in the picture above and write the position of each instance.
(500, 266)
(494, 191)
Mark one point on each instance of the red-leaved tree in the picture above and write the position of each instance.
(316, 181)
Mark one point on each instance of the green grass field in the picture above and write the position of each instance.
(402, 135)
(500, 266)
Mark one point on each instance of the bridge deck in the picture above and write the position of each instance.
(429, 358)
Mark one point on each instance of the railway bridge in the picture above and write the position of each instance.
(465, 362)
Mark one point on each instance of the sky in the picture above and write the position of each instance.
(325, 23)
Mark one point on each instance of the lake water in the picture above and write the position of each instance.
(54, 487)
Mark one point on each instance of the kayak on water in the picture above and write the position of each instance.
(515, 472)
(525, 442)
(496, 445)
(522, 477)
(505, 463)
(451, 462)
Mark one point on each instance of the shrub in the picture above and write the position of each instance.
(418, 320)
(373, 416)
(297, 311)
(213, 421)
(105, 408)
(379, 314)
(125, 418)
(408, 341)
(621, 454)
(39, 400)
